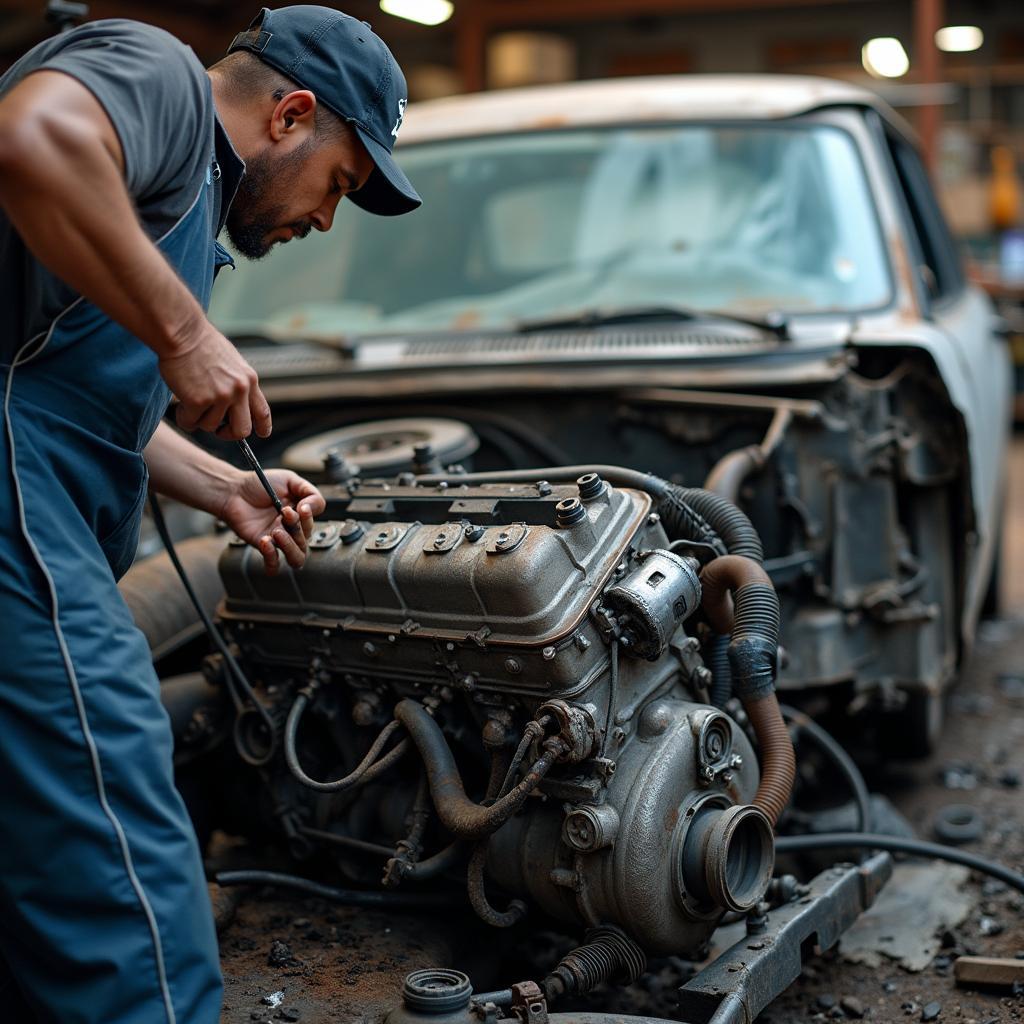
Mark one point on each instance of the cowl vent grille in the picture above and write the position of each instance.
(581, 343)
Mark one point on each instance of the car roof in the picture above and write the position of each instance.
(668, 98)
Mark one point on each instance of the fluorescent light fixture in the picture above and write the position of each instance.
(426, 12)
(884, 57)
(959, 38)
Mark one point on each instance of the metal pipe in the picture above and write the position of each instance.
(460, 815)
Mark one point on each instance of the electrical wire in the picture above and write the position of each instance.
(350, 897)
(829, 746)
(367, 769)
(234, 669)
(899, 844)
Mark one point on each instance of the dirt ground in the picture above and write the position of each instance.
(298, 959)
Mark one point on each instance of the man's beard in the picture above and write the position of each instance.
(251, 219)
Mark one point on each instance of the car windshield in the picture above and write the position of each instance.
(743, 219)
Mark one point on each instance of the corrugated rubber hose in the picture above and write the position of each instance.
(751, 617)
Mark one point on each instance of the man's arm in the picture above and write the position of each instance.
(184, 471)
(62, 186)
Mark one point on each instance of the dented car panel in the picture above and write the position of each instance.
(879, 511)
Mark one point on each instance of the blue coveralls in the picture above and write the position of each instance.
(105, 917)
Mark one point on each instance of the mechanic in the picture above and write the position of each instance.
(121, 159)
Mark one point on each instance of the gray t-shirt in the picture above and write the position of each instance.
(157, 95)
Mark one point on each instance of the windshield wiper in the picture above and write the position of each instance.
(340, 343)
(774, 323)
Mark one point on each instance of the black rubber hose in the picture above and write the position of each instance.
(350, 897)
(438, 863)
(732, 525)
(477, 893)
(369, 768)
(617, 476)
(682, 523)
(721, 674)
(234, 669)
(899, 844)
(463, 817)
(839, 757)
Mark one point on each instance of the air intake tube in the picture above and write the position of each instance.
(752, 619)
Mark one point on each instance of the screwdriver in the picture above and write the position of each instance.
(254, 465)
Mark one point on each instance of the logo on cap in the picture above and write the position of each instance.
(401, 118)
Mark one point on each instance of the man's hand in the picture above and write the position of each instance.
(185, 472)
(217, 389)
(250, 513)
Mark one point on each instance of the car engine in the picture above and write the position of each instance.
(546, 684)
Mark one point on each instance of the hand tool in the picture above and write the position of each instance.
(254, 465)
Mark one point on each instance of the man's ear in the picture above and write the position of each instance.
(293, 116)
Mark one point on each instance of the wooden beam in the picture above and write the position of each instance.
(502, 13)
(927, 69)
(470, 44)
(988, 970)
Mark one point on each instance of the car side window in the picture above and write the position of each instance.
(941, 269)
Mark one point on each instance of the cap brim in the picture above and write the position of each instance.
(387, 192)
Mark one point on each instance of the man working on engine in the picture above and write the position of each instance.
(120, 161)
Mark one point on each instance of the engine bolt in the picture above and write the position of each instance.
(736, 762)
(439, 540)
(569, 512)
(513, 666)
(548, 653)
(590, 486)
(370, 650)
(350, 531)
(543, 488)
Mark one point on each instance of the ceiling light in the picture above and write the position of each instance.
(426, 12)
(959, 38)
(884, 57)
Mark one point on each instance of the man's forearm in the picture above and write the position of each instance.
(189, 474)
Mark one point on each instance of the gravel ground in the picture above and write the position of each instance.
(302, 960)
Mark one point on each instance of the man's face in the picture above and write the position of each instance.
(285, 195)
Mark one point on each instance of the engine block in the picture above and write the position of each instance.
(545, 619)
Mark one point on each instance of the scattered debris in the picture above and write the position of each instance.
(852, 1007)
(990, 926)
(907, 921)
(273, 999)
(280, 955)
(1011, 684)
(958, 823)
(959, 775)
(988, 970)
(931, 1011)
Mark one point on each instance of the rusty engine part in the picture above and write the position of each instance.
(526, 653)
(382, 448)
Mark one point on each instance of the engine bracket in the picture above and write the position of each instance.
(753, 972)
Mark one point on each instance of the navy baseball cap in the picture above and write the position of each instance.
(351, 72)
